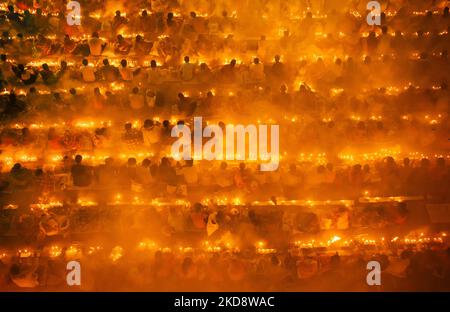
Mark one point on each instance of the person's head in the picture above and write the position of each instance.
(440, 162)
(97, 91)
(131, 162)
(169, 16)
(135, 90)
(233, 63)
(117, 13)
(45, 66)
(63, 64)
(95, 35)
(73, 91)
(166, 123)
(78, 159)
(153, 64)
(123, 63)
(146, 163)
(165, 161)
(406, 162)
(120, 38)
(138, 38)
(144, 13)
(186, 59)
(277, 58)
(16, 167)
(445, 11)
(256, 61)
(193, 14)
(25, 131)
(109, 161)
(105, 62)
(85, 62)
(274, 260)
(128, 126)
(148, 123)
(180, 96)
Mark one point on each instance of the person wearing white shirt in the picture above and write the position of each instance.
(96, 45)
(154, 75)
(126, 73)
(187, 70)
(87, 72)
(257, 71)
(137, 100)
(151, 133)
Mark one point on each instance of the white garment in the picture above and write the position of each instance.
(126, 73)
(88, 73)
(187, 71)
(136, 101)
(151, 135)
(95, 46)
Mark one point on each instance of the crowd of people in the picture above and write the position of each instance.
(86, 112)
(412, 270)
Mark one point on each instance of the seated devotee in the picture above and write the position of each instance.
(25, 276)
(122, 46)
(151, 134)
(186, 105)
(154, 75)
(137, 99)
(132, 136)
(87, 71)
(257, 71)
(81, 174)
(187, 70)
(118, 21)
(108, 72)
(96, 45)
(126, 73)
(142, 47)
(47, 75)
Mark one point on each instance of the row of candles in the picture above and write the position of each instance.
(319, 158)
(335, 242)
(221, 201)
(92, 123)
(133, 63)
(317, 14)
